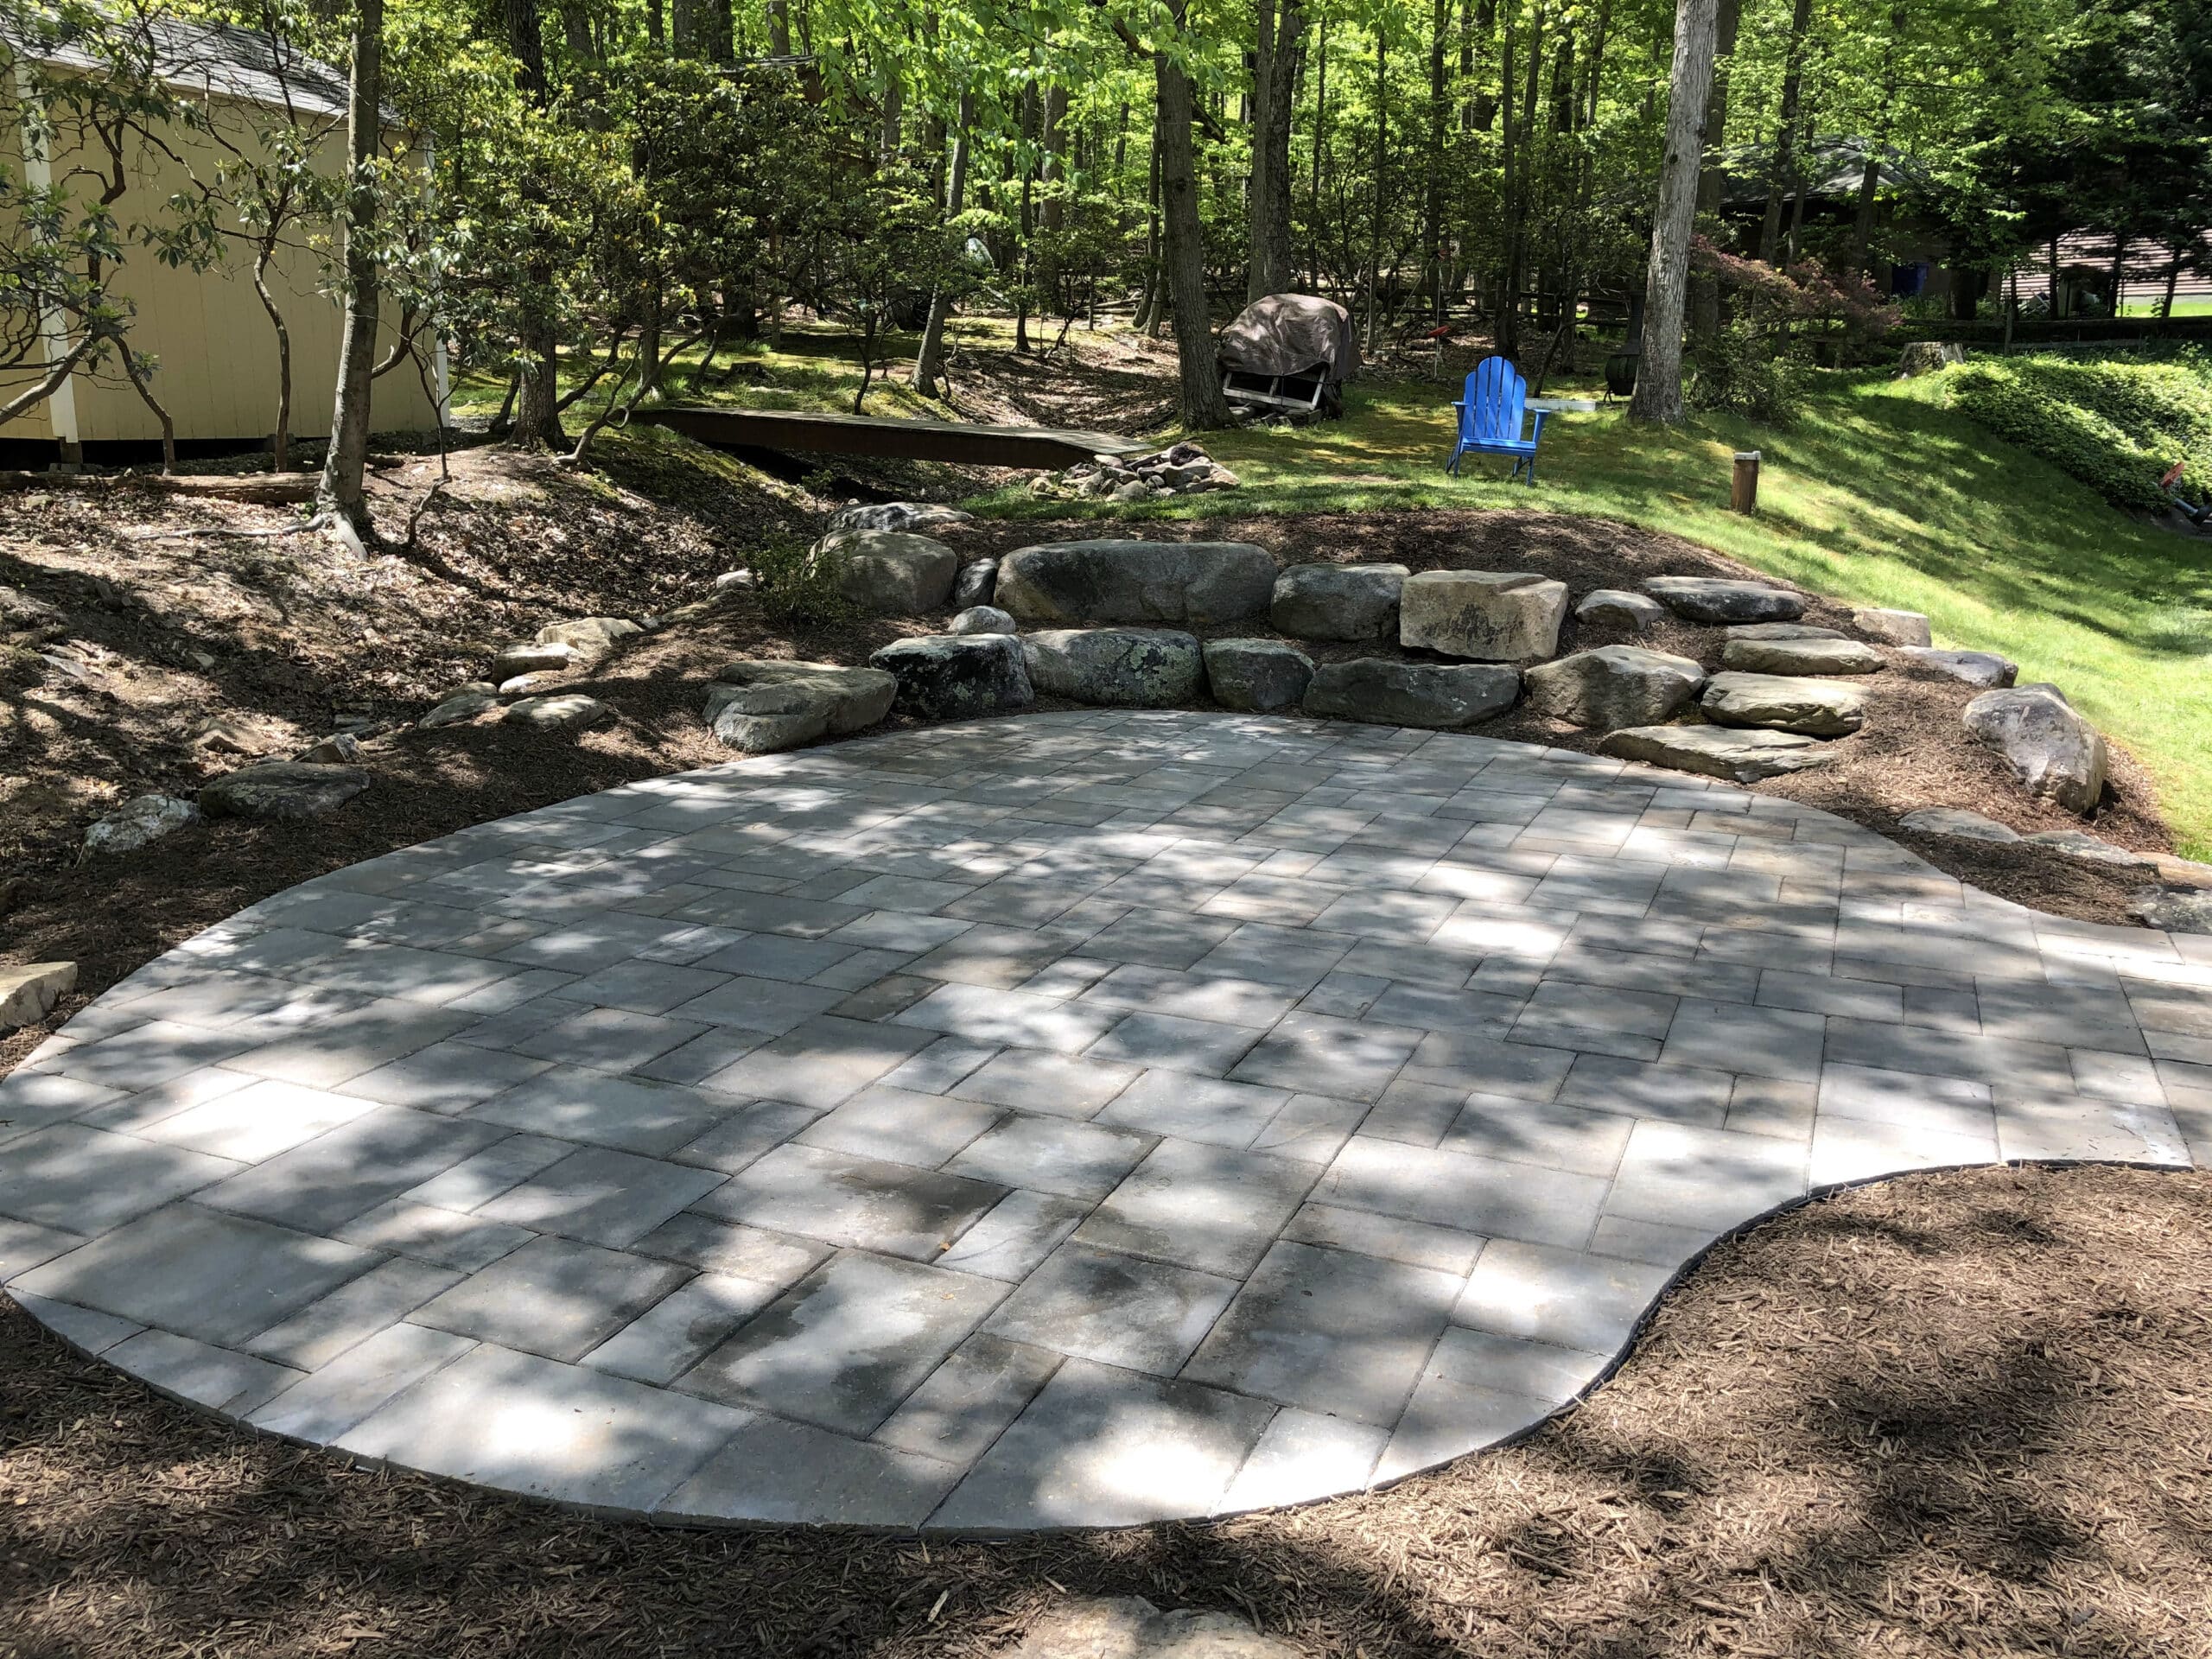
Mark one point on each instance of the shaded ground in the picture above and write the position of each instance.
(1958, 1413)
(297, 635)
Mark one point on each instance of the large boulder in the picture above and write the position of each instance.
(1973, 667)
(897, 515)
(1076, 584)
(1783, 703)
(1800, 657)
(1385, 691)
(890, 572)
(1260, 675)
(2080, 843)
(1132, 668)
(562, 711)
(764, 707)
(1613, 685)
(144, 819)
(534, 658)
(589, 638)
(1615, 608)
(1720, 599)
(974, 584)
(2177, 910)
(1893, 627)
(1492, 616)
(983, 619)
(948, 676)
(2058, 756)
(1742, 756)
(282, 789)
(28, 991)
(1337, 601)
(469, 702)
(1958, 822)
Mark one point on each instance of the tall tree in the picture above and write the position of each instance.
(537, 398)
(929, 361)
(1205, 407)
(1276, 58)
(1713, 175)
(341, 494)
(1780, 163)
(1689, 84)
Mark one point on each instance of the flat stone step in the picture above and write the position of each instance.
(1721, 599)
(1785, 702)
(1814, 656)
(1738, 755)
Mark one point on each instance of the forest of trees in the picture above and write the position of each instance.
(610, 181)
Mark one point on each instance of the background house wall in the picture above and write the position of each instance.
(216, 350)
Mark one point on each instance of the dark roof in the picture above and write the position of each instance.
(221, 61)
(1831, 164)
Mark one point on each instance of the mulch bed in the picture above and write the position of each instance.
(1954, 1413)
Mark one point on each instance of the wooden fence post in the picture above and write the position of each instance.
(1744, 493)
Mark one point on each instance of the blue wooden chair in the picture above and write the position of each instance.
(1490, 415)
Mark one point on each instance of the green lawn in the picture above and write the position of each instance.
(1879, 495)
(812, 368)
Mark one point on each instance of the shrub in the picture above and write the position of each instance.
(1739, 372)
(2117, 427)
(798, 581)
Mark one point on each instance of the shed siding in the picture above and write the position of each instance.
(215, 350)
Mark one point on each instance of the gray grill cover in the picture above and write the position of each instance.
(1291, 334)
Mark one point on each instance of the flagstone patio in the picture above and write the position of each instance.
(1078, 1119)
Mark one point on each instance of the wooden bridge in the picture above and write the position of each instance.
(808, 431)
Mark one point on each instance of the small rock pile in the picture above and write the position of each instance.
(1185, 469)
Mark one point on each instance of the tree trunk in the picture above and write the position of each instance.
(1432, 221)
(779, 28)
(1870, 176)
(538, 410)
(1505, 332)
(1203, 407)
(929, 362)
(894, 108)
(1381, 171)
(340, 493)
(1149, 308)
(1659, 376)
(279, 441)
(1712, 176)
(1781, 158)
(1274, 89)
(1320, 148)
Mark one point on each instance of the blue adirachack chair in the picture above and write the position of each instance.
(1490, 415)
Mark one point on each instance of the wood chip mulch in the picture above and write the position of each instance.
(1961, 1413)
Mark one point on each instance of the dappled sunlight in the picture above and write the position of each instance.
(1876, 494)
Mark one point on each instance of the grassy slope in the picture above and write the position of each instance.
(1880, 495)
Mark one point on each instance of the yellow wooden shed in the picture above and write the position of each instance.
(214, 346)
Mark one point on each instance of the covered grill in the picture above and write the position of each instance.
(1289, 354)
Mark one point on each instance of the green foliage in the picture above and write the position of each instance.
(798, 581)
(1742, 371)
(2115, 426)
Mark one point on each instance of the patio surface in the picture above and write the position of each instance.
(1078, 1119)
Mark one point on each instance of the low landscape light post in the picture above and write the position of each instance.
(1744, 489)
